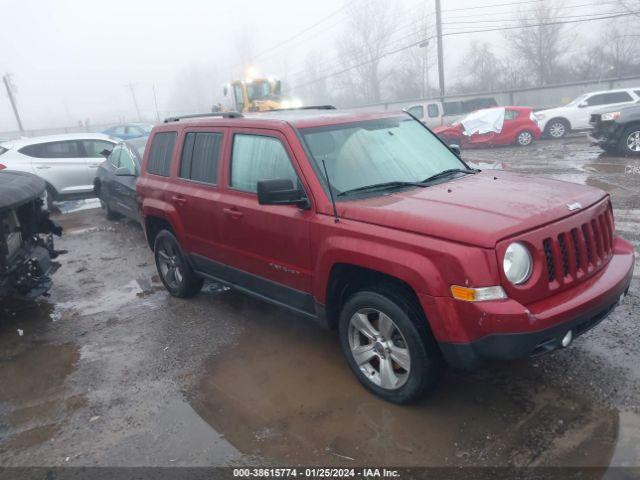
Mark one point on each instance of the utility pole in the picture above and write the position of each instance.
(7, 83)
(135, 101)
(155, 100)
(440, 57)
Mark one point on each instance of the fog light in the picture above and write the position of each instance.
(566, 340)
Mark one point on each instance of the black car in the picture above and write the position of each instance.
(115, 183)
(26, 236)
(617, 130)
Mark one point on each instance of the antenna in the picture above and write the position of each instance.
(333, 200)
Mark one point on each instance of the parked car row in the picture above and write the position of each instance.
(491, 125)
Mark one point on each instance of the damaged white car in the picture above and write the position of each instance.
(26, 239)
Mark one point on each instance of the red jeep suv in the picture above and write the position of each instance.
(368, 223)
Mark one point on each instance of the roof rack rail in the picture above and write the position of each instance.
(204, 115)
(310, 107)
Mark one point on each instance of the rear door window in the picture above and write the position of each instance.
(200, 157)
(609, 98)
(161, 153)
(433, 110)
(511, 114)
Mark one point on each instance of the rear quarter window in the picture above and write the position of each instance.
(3, 150)
(161, 152)
(62, 149)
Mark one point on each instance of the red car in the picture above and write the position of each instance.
(493, 126)
(367, 223)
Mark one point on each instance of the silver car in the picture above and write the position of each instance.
(67, 163)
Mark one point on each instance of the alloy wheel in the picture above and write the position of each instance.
(379, 348)
(633, 142)
(170, 265)
(557, 129)
(525, 138)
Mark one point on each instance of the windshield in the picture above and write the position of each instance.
(377, 152)
(259, 90)
(576, 101)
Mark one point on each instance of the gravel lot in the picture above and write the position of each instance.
(112, 371)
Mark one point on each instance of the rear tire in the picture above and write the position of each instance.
(175, 272)
(524, 138)
(388, 344)
(104, 203)
(557, 128)
(630, 141)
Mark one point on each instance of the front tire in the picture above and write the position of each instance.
(557, 128)
(388, 345)
(175, 272)
(630, 141)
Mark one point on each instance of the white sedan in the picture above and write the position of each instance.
(67, 163)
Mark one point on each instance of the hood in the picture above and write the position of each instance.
(552, 112)
(478, 209)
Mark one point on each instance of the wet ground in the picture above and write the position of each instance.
(112, 371)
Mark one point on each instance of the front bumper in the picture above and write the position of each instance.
(605, 133)
(507, 330)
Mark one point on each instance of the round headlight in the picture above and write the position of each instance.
(517, 263)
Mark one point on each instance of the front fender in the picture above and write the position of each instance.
(411, 267)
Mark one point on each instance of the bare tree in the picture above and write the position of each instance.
(539, 41)
(370, 26)
(412, 66)
(315, 89)
(483, 67)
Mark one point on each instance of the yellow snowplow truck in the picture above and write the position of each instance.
(253, 95)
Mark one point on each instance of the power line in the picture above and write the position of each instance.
(563, 17)
(394, 51)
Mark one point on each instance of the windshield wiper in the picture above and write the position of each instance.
(446, 173)
(381, 186)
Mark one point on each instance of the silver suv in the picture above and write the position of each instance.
(67, 163)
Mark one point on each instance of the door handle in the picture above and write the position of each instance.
(179, 200)
(43, 167)
(94, 165)
(234, 212)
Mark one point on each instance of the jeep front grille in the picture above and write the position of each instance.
(572, 254)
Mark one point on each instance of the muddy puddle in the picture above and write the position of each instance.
(33, 399)
(284, 391)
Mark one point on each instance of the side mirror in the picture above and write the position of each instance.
(225, 90)
(281, 192)
(455, 149)
(123, 172)
(583, 104)
(105, 153)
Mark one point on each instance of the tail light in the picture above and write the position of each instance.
(2, 167)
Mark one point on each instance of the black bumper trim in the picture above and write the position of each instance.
(511, 346)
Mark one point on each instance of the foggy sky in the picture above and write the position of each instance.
(74, 60)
